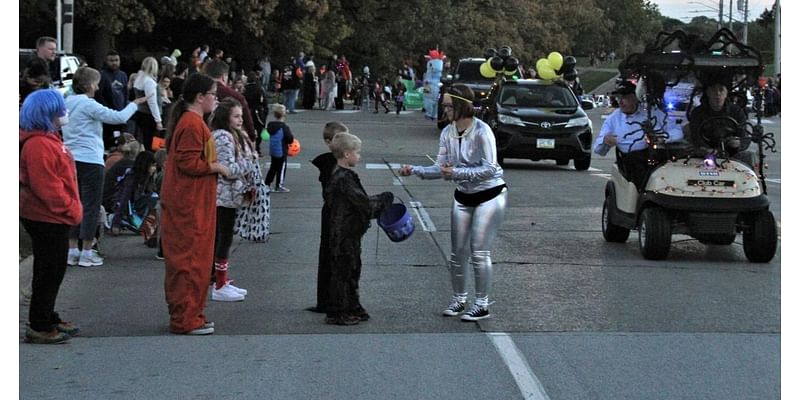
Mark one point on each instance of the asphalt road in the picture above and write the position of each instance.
(574, 317)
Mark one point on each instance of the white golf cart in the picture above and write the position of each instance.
(711, 198)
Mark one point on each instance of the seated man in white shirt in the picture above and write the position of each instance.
(623, 121)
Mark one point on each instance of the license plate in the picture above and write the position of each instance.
(545, 143)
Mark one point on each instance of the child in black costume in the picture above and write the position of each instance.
(325, 162)
(350, 212)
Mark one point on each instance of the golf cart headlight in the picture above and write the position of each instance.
(509, 120)
(581, 121)
(710, 161)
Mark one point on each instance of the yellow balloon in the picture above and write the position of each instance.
(555, 60)
(542, 63)
(546, 73)
(487, 71)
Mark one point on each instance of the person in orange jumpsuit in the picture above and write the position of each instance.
(188, 200)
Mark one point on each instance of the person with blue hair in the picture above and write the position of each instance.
(49, 205)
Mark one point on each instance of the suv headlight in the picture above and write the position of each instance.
(581, 121)
(509, 120)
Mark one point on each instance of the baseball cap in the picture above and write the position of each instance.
(626, 87)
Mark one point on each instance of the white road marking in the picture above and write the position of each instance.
(763, 121)
(290, 165)
(778, 180)
(422, 216)
(346, 111)
(529, 385)
(593, 169)
(397, 181)
(604, 176)
(383, 166)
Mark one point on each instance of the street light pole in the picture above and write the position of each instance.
(721, 14)
(58, 24)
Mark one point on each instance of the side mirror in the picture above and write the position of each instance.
(587, 105)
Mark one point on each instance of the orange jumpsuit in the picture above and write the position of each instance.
(188, 215)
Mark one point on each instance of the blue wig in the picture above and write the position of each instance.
(40, 109)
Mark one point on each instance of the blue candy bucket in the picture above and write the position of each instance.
(397, 222)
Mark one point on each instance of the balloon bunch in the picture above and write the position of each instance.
(499, 62)
(555, 65)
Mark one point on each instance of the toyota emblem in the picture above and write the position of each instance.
(546, 125)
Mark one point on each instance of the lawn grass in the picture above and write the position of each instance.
(592, 79)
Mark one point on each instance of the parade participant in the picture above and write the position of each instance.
(351, 209)
(467, 155)
(622, 122)
(188, 207)
(234, 191)
(325, 162)
(49, 205)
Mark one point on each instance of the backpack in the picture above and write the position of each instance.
(276, 143)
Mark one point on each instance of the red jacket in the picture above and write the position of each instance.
(48, 183)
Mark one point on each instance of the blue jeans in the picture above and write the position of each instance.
(290, 99)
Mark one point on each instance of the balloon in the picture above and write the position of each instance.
(265, 135)
(569, 63)
(570, 75)
(490, 53)
(505, 51)
(546, 73)
(511, 64)
(496, 63)
(542, 63)
(487, 71)
(555, 60)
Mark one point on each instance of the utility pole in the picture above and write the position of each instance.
(777, 36)
(744, 34)
(58, 24)
(730, 15)
(68, 25)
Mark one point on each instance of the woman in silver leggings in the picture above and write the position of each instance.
(467, 156)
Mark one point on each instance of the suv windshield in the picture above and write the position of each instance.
(537, 96)
(470, 72)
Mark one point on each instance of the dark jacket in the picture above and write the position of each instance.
(280, 136)
(715, 131)
(113, 91)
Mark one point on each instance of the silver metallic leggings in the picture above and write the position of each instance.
(473, 230)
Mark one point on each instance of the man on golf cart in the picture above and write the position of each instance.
(718, 124)
(623, 129)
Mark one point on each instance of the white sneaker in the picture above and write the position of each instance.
(73, 256)
(90, 258)
(238, 289)
(226, 293)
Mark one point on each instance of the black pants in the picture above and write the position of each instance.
(50, 245)
(324, 260)
(145, 129)
(277, 171)
(90, 186)
(635, 167)
(226, 219)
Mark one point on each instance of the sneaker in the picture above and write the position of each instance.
(282, 189)
(73, 257)
(456, 307)
(238, 289)
(476, 313)
(203, 330)
(342, 320)
(226, 293)
(208, 324)
(69, 328)
(90, 258)
(159, 256)
(52, 337)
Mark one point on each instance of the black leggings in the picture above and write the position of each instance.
(50, 245)
(226, 219)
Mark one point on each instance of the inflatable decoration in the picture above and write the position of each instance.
(432, 81)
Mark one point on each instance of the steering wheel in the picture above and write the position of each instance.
(715, 130)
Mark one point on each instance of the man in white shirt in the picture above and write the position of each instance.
(621, 129)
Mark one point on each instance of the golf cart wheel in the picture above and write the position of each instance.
(612, 233)
(655, 235)
(562, 161)
(760, 239)
(583, 163)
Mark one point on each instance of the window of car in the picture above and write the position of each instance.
(537, 96)
(470, 72)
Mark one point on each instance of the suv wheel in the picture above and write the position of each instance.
(582, 163)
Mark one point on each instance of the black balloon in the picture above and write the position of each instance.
(505, 51)
(569, 63)
(496, 63)
(570, 75)
(511, 64)
(490, 53)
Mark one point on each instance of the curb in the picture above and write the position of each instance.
(25, 277)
